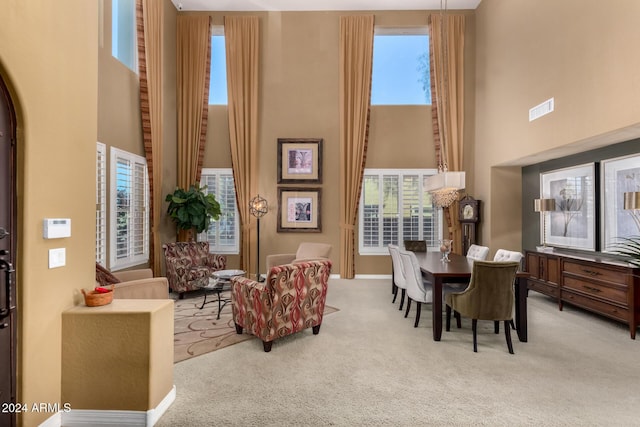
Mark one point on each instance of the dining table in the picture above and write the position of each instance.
(458, 270)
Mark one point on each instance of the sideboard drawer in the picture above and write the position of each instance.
(596, 272)
(609, 310)
(612, 293)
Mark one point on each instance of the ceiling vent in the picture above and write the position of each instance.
(541, 109)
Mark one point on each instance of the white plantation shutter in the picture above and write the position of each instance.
(129, 237)
(222, 234)
(101, 204)
(395, 207)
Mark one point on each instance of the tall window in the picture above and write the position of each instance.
(123, 32)
(218, 75)
(395, 207)
(401, 67)
(101, 204)
(222, 234)
(129, 230)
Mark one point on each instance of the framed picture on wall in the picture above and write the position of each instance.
(618, 176)
(299, 160)
(572, 223)
(299, 209)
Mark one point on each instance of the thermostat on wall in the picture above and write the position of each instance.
(55, 228)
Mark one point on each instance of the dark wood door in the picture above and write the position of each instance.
(8, 317)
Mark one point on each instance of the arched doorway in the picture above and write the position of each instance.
(8, 240)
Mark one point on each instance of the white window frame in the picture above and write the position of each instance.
(140, 203)
(399, 31)
(381, 248)
(101, 204)
(228, 210)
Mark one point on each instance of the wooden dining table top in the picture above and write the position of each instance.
(457, 266)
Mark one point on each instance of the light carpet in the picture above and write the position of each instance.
(370, 366)
(199, 331)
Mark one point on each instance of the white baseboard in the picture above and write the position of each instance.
(374, 276)
(107, 418)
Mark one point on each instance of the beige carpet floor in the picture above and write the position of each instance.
(198, 331)
(369, 366)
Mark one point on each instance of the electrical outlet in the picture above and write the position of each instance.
(57, 257)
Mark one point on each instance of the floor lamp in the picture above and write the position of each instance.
(543, 206)
(258, 207)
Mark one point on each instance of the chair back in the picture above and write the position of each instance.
(312, 251)
(490, 292)
(477, 252)
(503, 255)
(416, 289)
(196, 252)
(398, 270)
(415, 245)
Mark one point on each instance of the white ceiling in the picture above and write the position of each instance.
(309, 5)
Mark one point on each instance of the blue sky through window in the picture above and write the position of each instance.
(400, 69)
(218, 79)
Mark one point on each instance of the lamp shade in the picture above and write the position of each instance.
(544, 205)
(632, 200)
(445, 181)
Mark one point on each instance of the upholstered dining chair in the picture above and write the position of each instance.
(504, 255)
(477, 252)
(399, 281)
(488, 297)
(418, 290)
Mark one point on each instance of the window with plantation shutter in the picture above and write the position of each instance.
(101, 204)
(395, 207)
(129, 218)
(223, 235)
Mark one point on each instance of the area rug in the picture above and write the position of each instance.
(197, 331)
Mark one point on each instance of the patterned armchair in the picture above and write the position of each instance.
(190, 265)
(290, 300)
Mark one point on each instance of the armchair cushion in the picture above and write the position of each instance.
(290, 300)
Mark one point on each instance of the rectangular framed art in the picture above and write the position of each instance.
(618, 176)
(572, 223)
(299, 209)
(299, 160)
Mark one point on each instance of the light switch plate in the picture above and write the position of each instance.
(57, 257)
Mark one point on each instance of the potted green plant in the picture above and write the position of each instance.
(630, 248)
(192, 210)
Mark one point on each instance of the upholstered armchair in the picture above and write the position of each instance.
(290, 300)
(190, 265)
(133, 284)
(307, 251)
(488, 297)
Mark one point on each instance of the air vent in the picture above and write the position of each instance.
(540, 110)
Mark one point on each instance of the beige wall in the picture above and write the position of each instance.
(299, 90)
(52, 73)
(585, 55)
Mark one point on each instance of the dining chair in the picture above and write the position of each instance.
(398, 280)
(489, 297)
(504, 255)
(418, 290)
(477, 252)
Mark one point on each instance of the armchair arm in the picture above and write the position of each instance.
(252, 305)
(279, 259)
(153, 288)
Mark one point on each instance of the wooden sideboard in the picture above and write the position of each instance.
(604, 286)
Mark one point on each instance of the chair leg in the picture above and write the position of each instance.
(507, 334)
(316, 329)
(181, 295)
(448, 313)
(513, 325)
(419, 308)
(496, 327)
(404, 291)
(458, 319)
(474, 328)
(406, 313)
(395, 295)
(238, 329)
(267, 346)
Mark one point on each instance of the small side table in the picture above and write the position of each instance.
(218, 283)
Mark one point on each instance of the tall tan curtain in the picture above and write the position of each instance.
(149, 33)
(447, 91)
(193, 54)
(242, 41)
(356, 58)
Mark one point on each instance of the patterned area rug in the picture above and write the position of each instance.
(198, 331)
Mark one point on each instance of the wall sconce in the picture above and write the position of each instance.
(543, 206)
(258, 207)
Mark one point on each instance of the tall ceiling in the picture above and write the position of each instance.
(309, 5)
